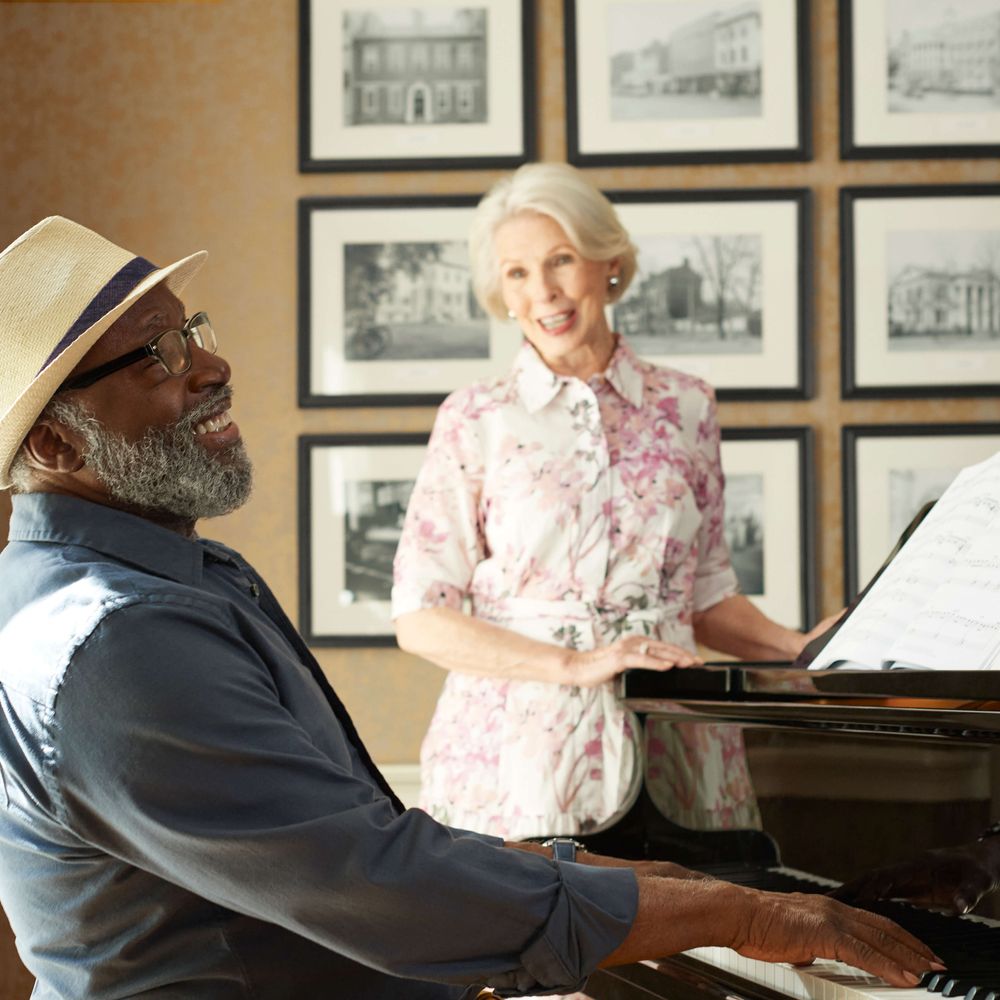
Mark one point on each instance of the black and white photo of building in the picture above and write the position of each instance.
(944, 290)
(744, 529)
(415, 66)
(693, 59)
(943, 57)
(373, 524)
(407, 301)
(694, 294)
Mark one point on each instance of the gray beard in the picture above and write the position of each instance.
(166, 471)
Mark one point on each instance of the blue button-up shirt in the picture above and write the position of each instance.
(186, 810)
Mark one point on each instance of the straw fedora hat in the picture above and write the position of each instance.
(61, 287)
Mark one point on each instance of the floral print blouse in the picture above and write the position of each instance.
(574, 513)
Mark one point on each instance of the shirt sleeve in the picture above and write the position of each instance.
(715, 578)
(178, 755)
(443, 535)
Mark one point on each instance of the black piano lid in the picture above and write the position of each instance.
(954, 704)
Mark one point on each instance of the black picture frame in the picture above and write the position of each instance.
(867, 126)
(499, 98)
(338, 363)
(340, 603)
(893, 343)
(677, 223)
(597, 138)
(891, 500)
(784, 458)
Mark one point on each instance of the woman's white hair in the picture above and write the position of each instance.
(565, 195)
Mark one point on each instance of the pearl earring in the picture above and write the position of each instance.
(613, 282)
(511, 314)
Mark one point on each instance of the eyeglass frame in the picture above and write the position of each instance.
(148, 350)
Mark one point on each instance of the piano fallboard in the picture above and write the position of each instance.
(943, 704)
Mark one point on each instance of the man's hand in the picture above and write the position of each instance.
(676, 914)
(952, 879)
(800, 927)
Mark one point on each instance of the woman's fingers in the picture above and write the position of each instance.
(652, 654)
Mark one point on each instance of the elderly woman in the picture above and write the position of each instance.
(567, 525)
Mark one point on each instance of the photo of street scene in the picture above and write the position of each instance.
(744, 529)
(373, 523)
(943, 289)
(694, 295)
(685, 59)
(408, 301)
(943, 57)
(415, 66)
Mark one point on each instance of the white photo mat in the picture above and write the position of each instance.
(873, 219)
(778, 462)
(875, 459)
(330, 139)
(776, 223)
(330, 374)
(776, 128)
(873, 124)
(333, 610)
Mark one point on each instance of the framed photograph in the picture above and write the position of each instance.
(353, 492)
(769, 523)
(424, 85)
(723, 289)
(890, 472)
(921, 291)
(686, 81)
(919, 78)
(386, 311)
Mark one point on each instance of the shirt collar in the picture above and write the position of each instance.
(538, 385)
(64, 520)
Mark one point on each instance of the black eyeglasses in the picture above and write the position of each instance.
(170, 348)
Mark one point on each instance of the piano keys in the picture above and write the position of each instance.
(879, 765)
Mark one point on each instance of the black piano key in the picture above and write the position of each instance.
(936, 983)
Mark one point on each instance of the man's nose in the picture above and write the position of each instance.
(207, 369)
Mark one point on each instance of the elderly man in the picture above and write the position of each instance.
(185, 807)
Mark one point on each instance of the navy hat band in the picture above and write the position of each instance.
(110, 296)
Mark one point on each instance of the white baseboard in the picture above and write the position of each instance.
(404, 779)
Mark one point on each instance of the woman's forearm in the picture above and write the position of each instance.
(469, 645)
(737, 627)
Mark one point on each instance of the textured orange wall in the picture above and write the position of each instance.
(173, 126)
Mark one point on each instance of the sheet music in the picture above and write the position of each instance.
(937, 605)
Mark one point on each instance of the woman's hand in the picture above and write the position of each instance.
(595, 666)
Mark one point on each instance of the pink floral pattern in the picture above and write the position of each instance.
(575, 513)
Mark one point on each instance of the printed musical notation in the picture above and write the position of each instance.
(936, 605)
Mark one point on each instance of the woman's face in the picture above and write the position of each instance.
(556, 295)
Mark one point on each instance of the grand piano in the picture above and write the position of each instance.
(852, 770)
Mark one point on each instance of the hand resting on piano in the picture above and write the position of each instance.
(951, 879)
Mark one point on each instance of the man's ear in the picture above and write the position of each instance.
(52, 447)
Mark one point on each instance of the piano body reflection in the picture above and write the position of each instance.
(852, 770)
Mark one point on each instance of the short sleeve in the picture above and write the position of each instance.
(443, 536)
(715, 578)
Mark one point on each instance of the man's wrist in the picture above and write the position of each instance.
(564, 848)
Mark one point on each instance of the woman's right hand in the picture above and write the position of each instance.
(595, 666)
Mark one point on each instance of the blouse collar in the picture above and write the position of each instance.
(538, 385)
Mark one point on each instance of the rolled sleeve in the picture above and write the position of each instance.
(592, 916)
(443, 537)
